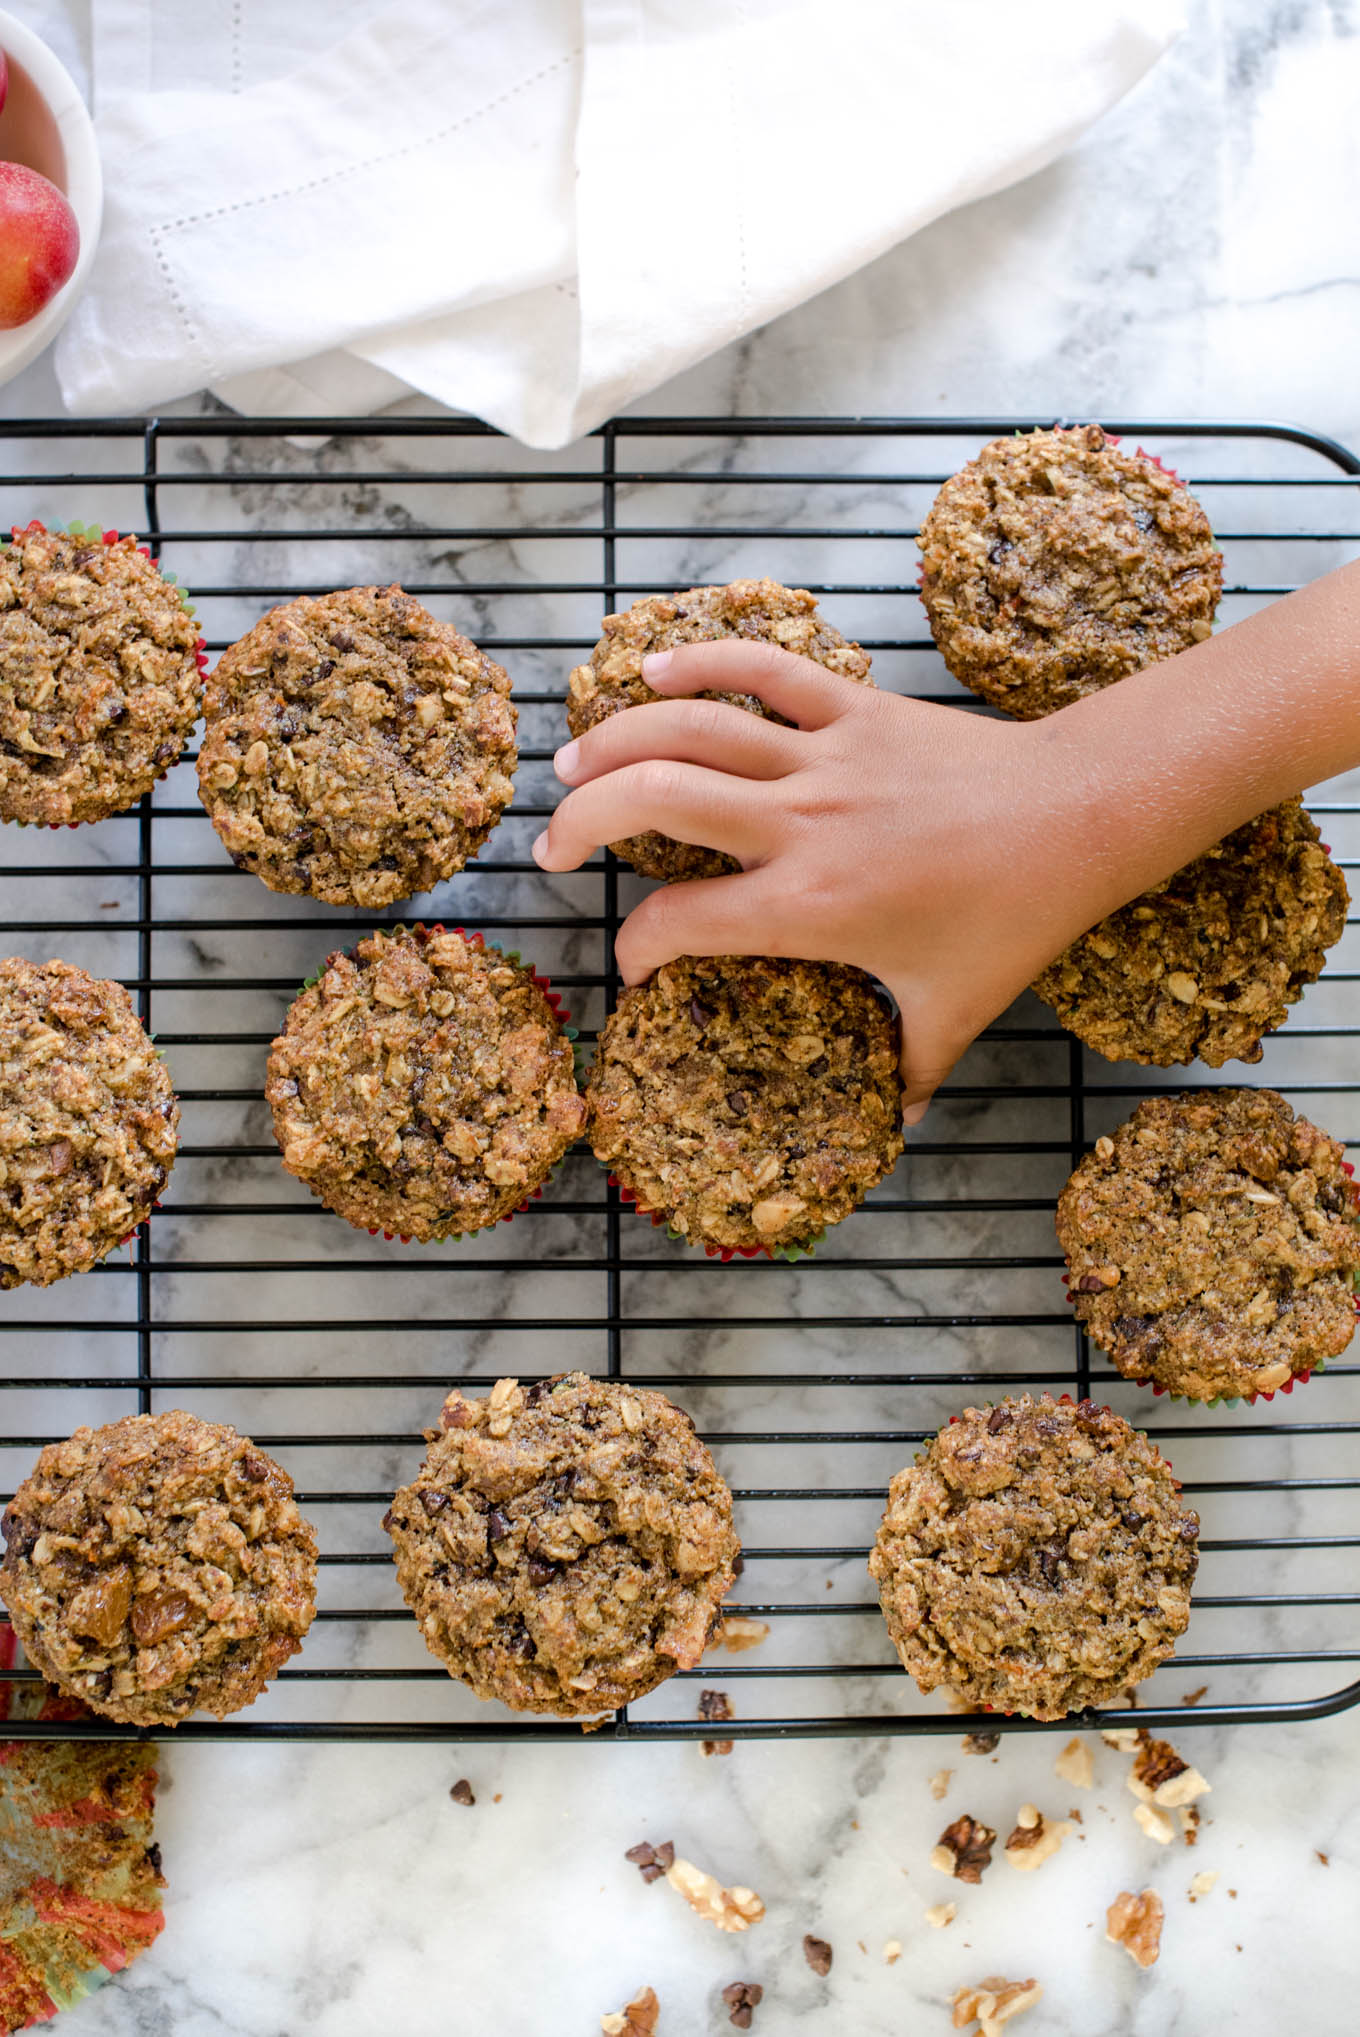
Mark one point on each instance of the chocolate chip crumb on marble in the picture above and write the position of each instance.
(753, 610)
(742, 1998)
(752, 1101)
(1055, 563)
(1212, 1243)
(356, 749)
(818, 1954)
(88, 1121)
(423, 1085)
(565, 1547)
(1036, 1558)
(157, 1567)
(1204, 966)
(99, 678)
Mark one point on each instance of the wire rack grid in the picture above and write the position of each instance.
(245, 1301)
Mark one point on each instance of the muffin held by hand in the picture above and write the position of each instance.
(158, 1567)
(1055, 563)
(565, 1546)
(88, 1120)
(355, 748)
(1036, 1558)
(751, 1101)
(1213, 1243)
(99, 675)
(423, 1085)
(753, 610)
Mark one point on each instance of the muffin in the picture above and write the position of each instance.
(751, 1101)
(612, 681)
(565, 1546)
(1054, 564)
(1035, 1558)
(1212, 1244)
(158, 1567)
(1202, 966)
(99, 675)
(423, 1085)
(355, 749)
(88, 1121)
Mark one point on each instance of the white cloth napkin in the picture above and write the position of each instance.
(537, 210)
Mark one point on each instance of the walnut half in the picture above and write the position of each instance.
(731, 1909)
(639, 2019)
(1135, 1922)
(993, 2002)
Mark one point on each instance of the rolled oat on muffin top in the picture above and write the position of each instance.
(356, 749)
(423, 1084)
(565, 1547)
(1203, 966)
(157, 1567)
(756, 610)
(1036, 1558)
(749, 1100)
(88, 1120)
(99, 675)
(1055, 563)
(1212, 1243)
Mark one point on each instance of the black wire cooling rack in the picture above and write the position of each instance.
(245, 1301)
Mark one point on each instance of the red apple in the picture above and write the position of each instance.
(39, 243)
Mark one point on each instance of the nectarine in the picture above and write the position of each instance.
(39, 243)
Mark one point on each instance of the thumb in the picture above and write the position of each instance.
(929, 1052)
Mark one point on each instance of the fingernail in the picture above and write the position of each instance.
(914, 1113)
(656, 664)
(566, 760)
(540, 849)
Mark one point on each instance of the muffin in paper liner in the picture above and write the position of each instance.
(789, 1253)
(93, 533)
(1226, 1400)
(80, 1871)
(552, 998)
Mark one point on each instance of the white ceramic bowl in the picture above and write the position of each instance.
(81, 180)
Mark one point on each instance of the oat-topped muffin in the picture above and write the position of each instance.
(1207, 963)
(566, 1546)
(1054, 563)
(613, 680)
(88, 1120)
(1212, 1242)
(356, 749)
(423, 1085)
(1036, 1558)
(157, 1567)
(99, 678)
(750, 1101)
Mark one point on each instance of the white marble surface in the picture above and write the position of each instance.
(1199, 255)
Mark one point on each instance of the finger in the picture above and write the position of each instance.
(798, 688)
(928, 1056)
(712, 916)
(707, 732)
(684, 801)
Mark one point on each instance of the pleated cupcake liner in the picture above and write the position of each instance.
(553, 998)
(1222, 1400)
(93, 533)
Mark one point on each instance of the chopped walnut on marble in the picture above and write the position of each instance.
(731, 1909)
(716, 1706)
(639, 2019)
(737, 1633)
(1034, 1839)
(941, 1915)
(1161, 1777)
(993, 2002)
(1076, 1765)
(964, 1849)
(1135, 1922)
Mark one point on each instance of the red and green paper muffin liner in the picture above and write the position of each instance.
(788, 1253)
(93, 533)
(553, 999)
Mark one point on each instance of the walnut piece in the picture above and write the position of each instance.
(731, 1909)
(737, 1633)
(980, 1743)
(639, 2019)
(1124, 1739)
(941, 1915)
(818, 1954)
(993, 2002)
(717, 1706)
(1161, 1777)
(1155, 1823)
(939, 1783)
(1135, 1922)
(1034, 1840)
(1201, 1883)
(964, 1849)
(1076, 1765)
(892, 1951)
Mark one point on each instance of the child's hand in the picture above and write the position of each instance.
(921, 843)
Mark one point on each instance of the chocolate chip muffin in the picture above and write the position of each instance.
(88, 1121)
(355, 749)
(566, 1546)
(1204, 965)
(750, 1101)
(612, 681)
(423, 1085)
(99, 675)
(1054, 564)
(158, 1567)
(1212, 1243)
(1036, 1558)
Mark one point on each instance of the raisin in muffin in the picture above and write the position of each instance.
(565, 1547)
